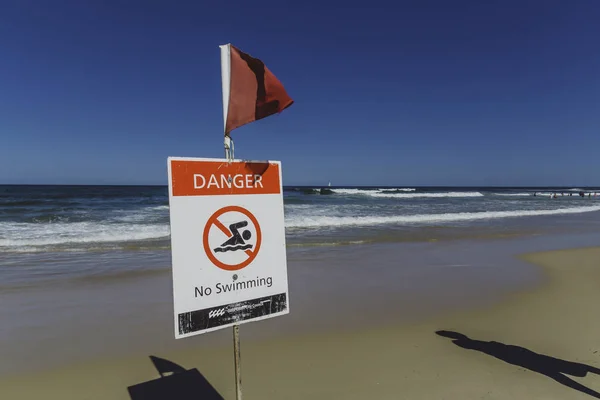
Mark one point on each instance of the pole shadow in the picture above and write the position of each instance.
(552, 367)
(175, 383)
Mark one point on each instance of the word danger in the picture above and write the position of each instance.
(239, 181)
(232, 287)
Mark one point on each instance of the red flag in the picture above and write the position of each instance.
(250, 91)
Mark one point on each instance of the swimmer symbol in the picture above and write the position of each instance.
(236, 241)
(242, 232)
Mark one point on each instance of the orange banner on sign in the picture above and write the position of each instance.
(210, 178)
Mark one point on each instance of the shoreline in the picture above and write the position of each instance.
(394, 361)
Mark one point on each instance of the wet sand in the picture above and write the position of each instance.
(556, 316)
(67, 318)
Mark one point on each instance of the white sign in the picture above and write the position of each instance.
(227, 243)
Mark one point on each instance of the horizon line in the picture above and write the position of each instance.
(315, 185)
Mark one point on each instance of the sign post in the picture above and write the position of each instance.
(227, 228)
(237, 361)
(228, 246)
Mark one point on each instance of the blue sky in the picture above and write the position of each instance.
(386, 93)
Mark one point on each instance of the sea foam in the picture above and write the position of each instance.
(322, 221)
(18, 235)
(396, 193)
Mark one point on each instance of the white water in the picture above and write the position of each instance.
(323, 221)
(392, 193)
(426, 195)
(19, 234)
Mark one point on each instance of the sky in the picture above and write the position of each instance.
(398, 93)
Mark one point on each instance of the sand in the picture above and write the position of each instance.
(559, 318)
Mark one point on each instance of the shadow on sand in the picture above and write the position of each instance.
(175, 383)
(551, 367)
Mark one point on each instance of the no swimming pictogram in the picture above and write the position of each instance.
(232, 238)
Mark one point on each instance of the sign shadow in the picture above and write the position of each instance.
(554, 368)
(175, 383)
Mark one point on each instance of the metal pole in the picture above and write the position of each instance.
(237, 362)
(237, 358)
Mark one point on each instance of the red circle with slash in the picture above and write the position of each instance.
(214, 221)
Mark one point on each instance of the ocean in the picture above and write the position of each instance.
(85, 270)
(52, 219)
(57, 233)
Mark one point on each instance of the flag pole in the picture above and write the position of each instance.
(226, 87)
(237, 357)
(229, 155)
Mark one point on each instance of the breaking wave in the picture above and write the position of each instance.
(404, 193)
(513, 194)
(22, 234)
(427, 195)
(322, 221)
(398, 190)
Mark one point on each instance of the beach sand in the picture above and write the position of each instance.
(558, 318)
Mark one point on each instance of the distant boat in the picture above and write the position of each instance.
(326, 190)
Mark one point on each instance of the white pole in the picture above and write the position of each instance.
(226, 87)
(226, 82)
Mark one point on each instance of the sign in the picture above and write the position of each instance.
(227, 243)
